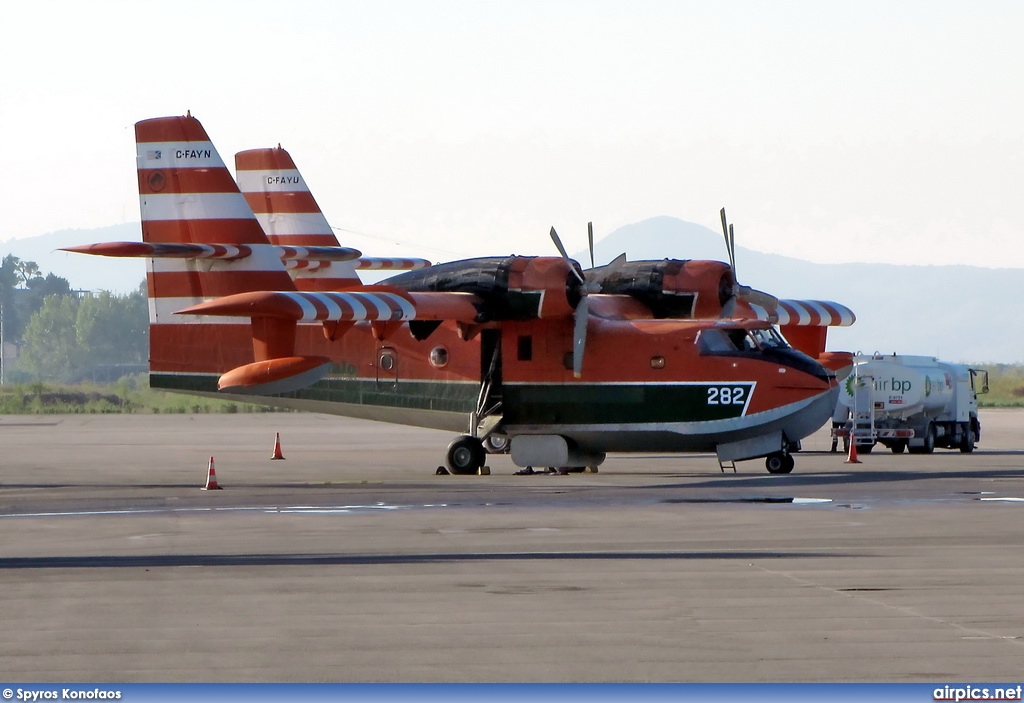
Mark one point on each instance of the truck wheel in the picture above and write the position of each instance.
(929, 440)
(967, 442)
(898, 446)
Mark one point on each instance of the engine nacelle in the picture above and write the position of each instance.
(511, 288)
(671, 288)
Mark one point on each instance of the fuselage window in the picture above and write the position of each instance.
(438, 357)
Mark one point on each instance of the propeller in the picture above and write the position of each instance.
(739, 292)
(590, 241)
(582, 312)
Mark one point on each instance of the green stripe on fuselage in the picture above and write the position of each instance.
(624, 403)
(575, 403)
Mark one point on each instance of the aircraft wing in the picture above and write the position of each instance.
(803, 313)
(380, 305)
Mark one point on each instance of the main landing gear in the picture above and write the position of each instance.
(779, 463)
(465, 455)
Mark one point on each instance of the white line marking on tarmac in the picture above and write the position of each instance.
(293, 509)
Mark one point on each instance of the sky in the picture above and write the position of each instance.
(887, 131)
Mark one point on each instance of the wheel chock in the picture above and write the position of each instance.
(442, 471)
(483, 471)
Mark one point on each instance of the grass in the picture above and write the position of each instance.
(1005, 386)
(131, 394)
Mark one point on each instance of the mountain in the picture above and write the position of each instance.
(83, 272)
(951, 312)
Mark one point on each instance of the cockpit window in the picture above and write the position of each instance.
(768, 338)
(714, 341)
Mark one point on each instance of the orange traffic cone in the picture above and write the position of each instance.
(211, 478)
(851, 458)
(277, 447)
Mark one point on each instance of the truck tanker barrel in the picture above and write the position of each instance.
(918, 384)
(910, 402)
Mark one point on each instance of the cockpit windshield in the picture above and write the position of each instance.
(724, 340)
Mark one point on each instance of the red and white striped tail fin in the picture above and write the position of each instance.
(187, 195)
(291, 217)
(190, 201)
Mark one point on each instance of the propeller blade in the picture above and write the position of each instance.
(590, 240)
(725, 228)
(561, 250)
(730, 242)
(732, 254)
(579, 335)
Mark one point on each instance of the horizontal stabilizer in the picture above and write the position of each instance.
(385, 264)
(182, 250)
(273, 376)
(164, 250)
(343, 306)
(291, 253)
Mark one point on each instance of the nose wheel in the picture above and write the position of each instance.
(779, 463)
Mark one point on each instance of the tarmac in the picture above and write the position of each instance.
(352, 561)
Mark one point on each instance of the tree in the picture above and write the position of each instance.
(111, 329)
(22, 291)
(27, 270)
(51, 349)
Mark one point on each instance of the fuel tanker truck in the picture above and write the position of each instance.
(915, 403)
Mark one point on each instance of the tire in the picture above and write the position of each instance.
(929, 440)
(497, 444)
(865, 448)
(779, 463)
(898, 446)
(967, 442)
(465, 455)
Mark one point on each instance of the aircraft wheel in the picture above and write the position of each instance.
(465, 455)
(496, 444)
(779, 463)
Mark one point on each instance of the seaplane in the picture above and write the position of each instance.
(253, 298)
